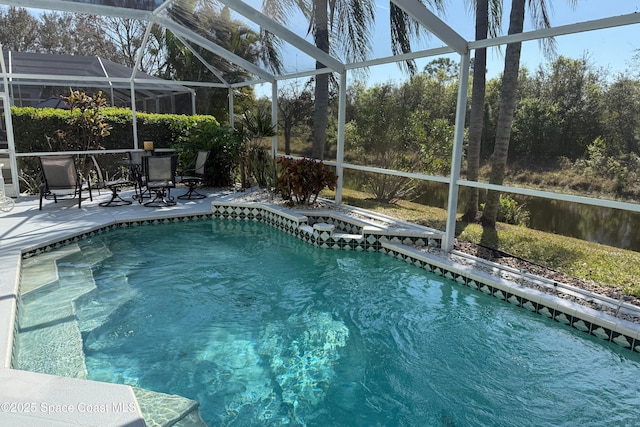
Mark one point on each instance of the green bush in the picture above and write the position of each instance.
(511, 211)
(32, 126)
(36, 130)
(223, 146)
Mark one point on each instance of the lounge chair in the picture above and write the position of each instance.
(195, 178)
(60, 177)
(160, 172)
(114, 185)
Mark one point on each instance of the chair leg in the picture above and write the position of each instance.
(115, 200)
(191, 193)
(163, 198)
(141, 193)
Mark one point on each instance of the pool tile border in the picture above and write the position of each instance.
(311, 226)
(402, 243)
(30, 251)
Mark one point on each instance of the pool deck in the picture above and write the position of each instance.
(27, 398)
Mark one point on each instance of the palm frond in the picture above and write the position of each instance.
(352, 31)
(540, 16)
(495, 17)
(405, 29)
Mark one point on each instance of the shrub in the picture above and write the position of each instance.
(37, 130)
(511, 211)
(222, 144)
(300, 181)
(262, 166)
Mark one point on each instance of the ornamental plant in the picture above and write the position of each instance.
(87, 123)
(301, 180)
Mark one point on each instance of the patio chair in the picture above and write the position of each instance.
(197, 177)
(160, 173)
(136, 167)
(114, 185)
(60, 177)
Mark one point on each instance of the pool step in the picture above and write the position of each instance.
(43, 270)
(165, 410)
(94, 308)
(52, 303)
(91, 253)
(53, 346)
(49, 339)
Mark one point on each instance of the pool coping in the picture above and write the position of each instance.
(403, 241)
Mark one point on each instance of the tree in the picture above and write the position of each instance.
(508, 99)
(18, 30)
(574, 86)
(347, 24)
(59, 33)
(294, 107)
(394, 128)
(442, 69)
(537, 125)
(52, 36)
(127, 35)
(228, 33)
(622, 116)
(559, 112)
(476, 118)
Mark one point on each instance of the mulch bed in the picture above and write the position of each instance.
(511, 261)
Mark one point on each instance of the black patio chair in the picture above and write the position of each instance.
(160, 173)
(136, 167)
(195, 178)
(60, 177)
(114, 185)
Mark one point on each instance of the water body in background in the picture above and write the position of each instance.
(612, 227)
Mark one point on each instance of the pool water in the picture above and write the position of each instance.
(263, 329)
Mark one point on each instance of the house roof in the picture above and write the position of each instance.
(43, 69)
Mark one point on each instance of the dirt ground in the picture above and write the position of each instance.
(538, 270)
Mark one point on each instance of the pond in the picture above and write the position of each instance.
(612, 227)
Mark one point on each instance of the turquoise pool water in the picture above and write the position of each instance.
(263, 329)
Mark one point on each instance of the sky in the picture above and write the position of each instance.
(612, 49)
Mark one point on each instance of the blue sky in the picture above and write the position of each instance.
(611, 49)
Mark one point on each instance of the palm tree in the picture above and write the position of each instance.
(508, 94)
(231, 34)
(349, 22)
(485, 23)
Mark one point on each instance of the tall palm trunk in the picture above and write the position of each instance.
(476, 119)
(321, 113)
(505, 116)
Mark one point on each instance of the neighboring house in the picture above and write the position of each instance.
(113, 79)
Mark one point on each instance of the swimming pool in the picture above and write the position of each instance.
(263, 329)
